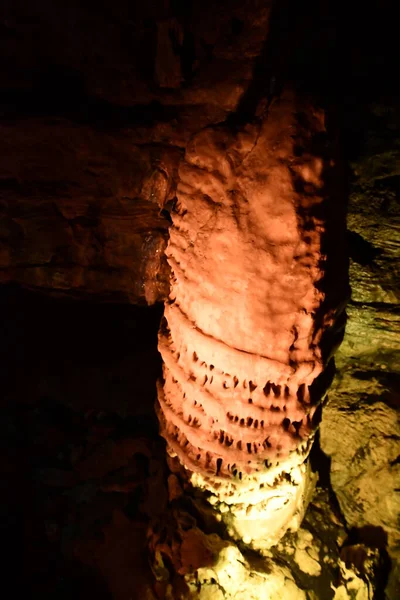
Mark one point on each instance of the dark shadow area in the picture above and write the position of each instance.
(60, 93)
(343, 56)
(80, 449)
(82, 355)
(354, 554)
(321, 464)
(360, 250)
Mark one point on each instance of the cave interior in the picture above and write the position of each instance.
(98, 104)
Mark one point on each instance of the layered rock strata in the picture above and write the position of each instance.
(79, 215)
(256, 309)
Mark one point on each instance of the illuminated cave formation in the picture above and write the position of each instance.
(255, 312)
(112, 116)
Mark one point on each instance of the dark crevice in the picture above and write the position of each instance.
(321, 463)
(374, 537)
(360, 250)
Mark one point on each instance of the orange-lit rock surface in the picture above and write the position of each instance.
(96, 104)
(255, 311)
(80, 210)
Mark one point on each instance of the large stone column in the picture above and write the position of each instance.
(255, 312)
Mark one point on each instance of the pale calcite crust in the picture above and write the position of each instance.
(248, 311)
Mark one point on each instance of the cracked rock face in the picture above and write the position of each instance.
(255, 312)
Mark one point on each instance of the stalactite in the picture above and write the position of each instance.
(255, 311)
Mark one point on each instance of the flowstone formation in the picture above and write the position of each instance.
(255, 312)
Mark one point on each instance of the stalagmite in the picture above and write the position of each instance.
(255, 312)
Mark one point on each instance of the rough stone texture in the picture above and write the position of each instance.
(364, 400)
(98, 476)
(96, 104)
(88, 82)
(124, 43)
(190, 562)
(85, 447)
(255, 312)
(80, 212)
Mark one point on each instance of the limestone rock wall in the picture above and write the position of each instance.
(364, 399)
(96, 105)
(80, 210)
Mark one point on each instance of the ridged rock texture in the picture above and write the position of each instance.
(256, 309)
